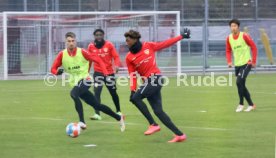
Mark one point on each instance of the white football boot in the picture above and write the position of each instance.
(239, 108)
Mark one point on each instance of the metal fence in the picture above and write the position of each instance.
(207, 19)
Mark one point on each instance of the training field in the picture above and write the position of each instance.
(33, 118)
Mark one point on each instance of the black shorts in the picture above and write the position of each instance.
(82, 87)
(152, 85)
(242, 71)
(100, 80)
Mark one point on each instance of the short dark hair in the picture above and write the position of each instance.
(133, 34)
(70, 34)
(235, 21)
(98, 30)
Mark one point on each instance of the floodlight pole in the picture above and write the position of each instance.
(50, 38)
(205, 37)
(5, 46)
(178, 44)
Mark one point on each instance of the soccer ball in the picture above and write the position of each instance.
(73, 130)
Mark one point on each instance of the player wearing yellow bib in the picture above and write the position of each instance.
(239, 44)
(76, 62)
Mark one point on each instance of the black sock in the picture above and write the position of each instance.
(115, 99)
(105, 109)
(156, 103)
(97, 91)
(248, 97)
(78, 107)
(89, 98)
(165, 119)
(239, 84)
(144, 110)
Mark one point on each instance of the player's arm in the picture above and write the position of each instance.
(164, 44)
(132, 75)
(56, 64)
(253, 47)
(228, 51)
(116, 57)
(89, 48)
(94, 58)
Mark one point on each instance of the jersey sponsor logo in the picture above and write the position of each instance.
(105, 50)
(143, 61)
(103, 54)
(74, 67)
(237, 47)
(146, 51)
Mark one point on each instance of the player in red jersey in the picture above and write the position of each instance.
(141, 59)
(107, 53)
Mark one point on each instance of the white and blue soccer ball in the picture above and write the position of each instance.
(73, 130)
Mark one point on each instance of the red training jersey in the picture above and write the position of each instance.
(108, 54)
(248, 41)
(88, 56)
(144, 61)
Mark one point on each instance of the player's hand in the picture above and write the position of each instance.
(109, 78)
(105, 75)
(131, 95)
(230, 65)
(186, 33)
(60, 71)
(116, 69)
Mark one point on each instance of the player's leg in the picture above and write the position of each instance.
(137, 100)
(238, 71)
(143, 92)
(90, 99)
(239, 83)
(75, 95)
(246, 93)
(248, 96)
(110, 83)
(98, 86)
(153, 94)
(155, 101)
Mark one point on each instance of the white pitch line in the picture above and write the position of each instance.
(90, 145)
(108, 122)
(202, 111)
(219, 91)
(30, 118)
(207, 128)
(202, 128)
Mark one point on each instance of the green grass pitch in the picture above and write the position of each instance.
(33, 118)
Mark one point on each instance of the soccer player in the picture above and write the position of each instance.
(239, 43)
(107, 52)
(75, 62)
(141, 59)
